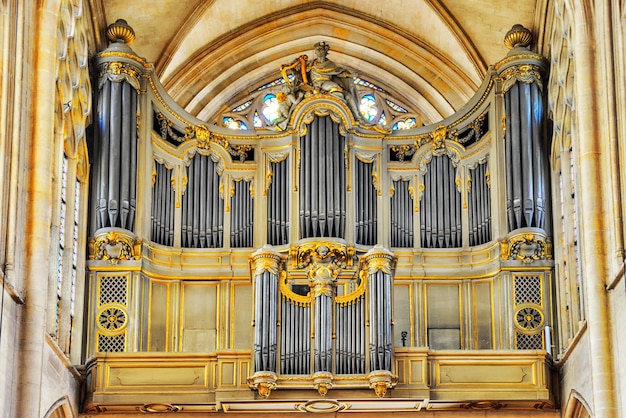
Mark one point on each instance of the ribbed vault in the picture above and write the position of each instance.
(210, 55)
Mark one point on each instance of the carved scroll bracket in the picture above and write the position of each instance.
(114, 245)
(526, 247)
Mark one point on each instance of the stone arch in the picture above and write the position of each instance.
(60, 409)
(576, 406)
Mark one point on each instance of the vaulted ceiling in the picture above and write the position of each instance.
(431, 54)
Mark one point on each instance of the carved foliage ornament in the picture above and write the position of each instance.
(114, 247)
(527, 248)
(378, 259)
(266, 259)
(525, 73)
(117, 72)
(306, 254)
(263, 382)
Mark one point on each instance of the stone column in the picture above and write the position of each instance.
(38, 133)
(593, 146)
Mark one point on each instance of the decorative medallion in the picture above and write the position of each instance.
(528, 318)
(112, 319)
(323, 406)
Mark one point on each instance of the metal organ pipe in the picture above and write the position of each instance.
(202, 207)
(526, 156)
(440, 206)
(115, 165)
(278, 204)
(322, 180)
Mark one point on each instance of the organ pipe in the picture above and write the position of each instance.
(378, 263)
(440, 206)
(322, 180)
(241, 215)
(365, 203)
(115, 150)
(266, 263)
(526, 152)
(163, 197)
(401, 215)
(278, 204)
(203, 207)
(479, 202)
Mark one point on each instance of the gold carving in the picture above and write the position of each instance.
(483, 405)
(118, 71)
(266, 259)
(306, 254)
(517, 36)
(378, 259)
(158, 408)
(525, 73)
(526, 247)
(322, 382)
(120, 31)
(114, 246)
(263, 382)
(381, 381)
(403, 151)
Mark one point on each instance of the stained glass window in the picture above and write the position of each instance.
(233, 123)
(270, 110)
(368, 107)
(243, 106)
(405, 124)
(361, 82)
(256, 120)
(395, 106)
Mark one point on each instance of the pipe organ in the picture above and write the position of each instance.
(327, 256)
(203, 205)
(322, 180)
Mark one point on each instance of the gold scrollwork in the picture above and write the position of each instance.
(381, 381)
(263, 382)
(403, 151)
(306, 254)
(291, 296)
(438, 138)
(526, 247)
(114, 247)
(525, 73)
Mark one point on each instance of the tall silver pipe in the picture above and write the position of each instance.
(202, 202)
(105, 139)
(195, 227)
(525, 117)
(114, 153)
(539, 174)
(133, 162)
(516, 173)
(127, 115)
